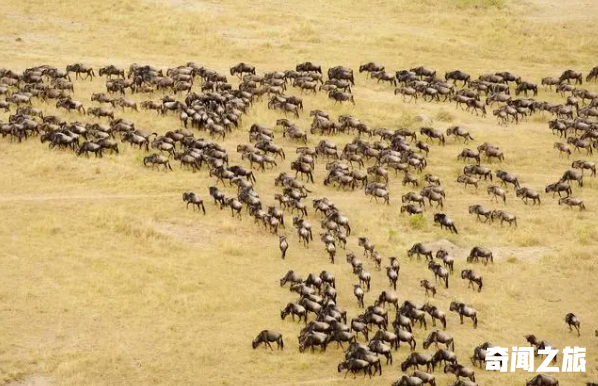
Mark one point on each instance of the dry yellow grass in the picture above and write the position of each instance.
(108, 280)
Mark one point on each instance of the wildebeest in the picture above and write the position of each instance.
(416, 360)
(406, 380)
(420, 249)
(460, 371)
(283, 245)
(464, 310)
(477, 252)
(157, 159)
(194, 199)
(439, 272)
(568, 75)
(542, 380)
(267, 336)
(480, 212)
(354, 366)
(473, 278)
(242, 68)
(294, 309)
(503, 216)
(572, 175)
(558, 187)
(468, 153)
(524, 87)
(457, 76)
(442, 337)
(459, 132)
(562, 148)
(445, 222)
(572, 320)
(506, 177)
(428, 286)
(584, 165)
(571, 202)
(340, 97)
(528, 194)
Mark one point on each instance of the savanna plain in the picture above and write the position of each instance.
(106, 278)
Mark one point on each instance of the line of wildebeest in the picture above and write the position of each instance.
(218, 109)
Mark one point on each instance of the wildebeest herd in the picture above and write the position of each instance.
(207, 103)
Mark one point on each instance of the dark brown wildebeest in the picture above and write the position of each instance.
(477, 252)
(411, 209)
(509, 77)
(111, 70)
(562, 148)
(100, 112)
(503, 216)
(572, 320)
(473, 277)
(435, 313)
(267, 336)
(464, 310)
(423, 71)
(291, 277)
(439, 272)
(467, 180)
(550, 81)
(309, 67)
(542, 380)
(79, 68)
(468, 153)
(571, 202)
(393, 276)
(359, 295)
(480, 212)
(584, 165)
(195, 200)
(407, 92)
(581, 144)
(242, 68)
(524, 87)
(460, 371)
(416, 360)
(354, 366)
(442, 337)
(432, 133)
(428, 286)
(90, 147)
(558, 187)
(445, 222)
(420, 249)
(407, 380)
(447, 260)
(70, 104)
(284, 245)
(457, 75)
(528, 194)
(157, 159)
(340, 97)
(568, 75)
(371, 67)
(572, 175)
(480, 171)
(476, 105)
(459, 132)
(506, 177)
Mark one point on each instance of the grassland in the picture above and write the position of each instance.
(107, 280)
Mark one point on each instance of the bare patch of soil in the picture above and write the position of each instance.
(533, 253)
